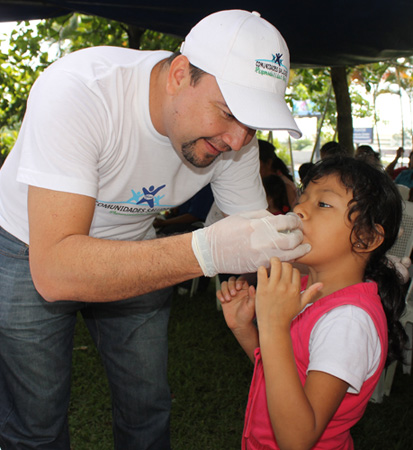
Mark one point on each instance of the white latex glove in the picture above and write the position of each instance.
(401, 265)
(243, 242)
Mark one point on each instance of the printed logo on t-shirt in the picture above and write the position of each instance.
(146, 202)
(272, 67)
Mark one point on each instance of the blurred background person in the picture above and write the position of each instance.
(331, 148)
(270, 164)
(391, 168)
(277, 197)
(367, 154)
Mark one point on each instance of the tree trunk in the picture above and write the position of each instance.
(344, 117)
(134, 34)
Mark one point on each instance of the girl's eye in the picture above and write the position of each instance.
(324, 205)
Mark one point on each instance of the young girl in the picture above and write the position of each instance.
(321, 342)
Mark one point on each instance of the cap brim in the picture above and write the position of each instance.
(259, 109)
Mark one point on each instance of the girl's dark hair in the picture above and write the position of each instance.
(376, 201)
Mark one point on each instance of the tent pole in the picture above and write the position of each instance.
(291, 157)
(320, 125)
(401, 101)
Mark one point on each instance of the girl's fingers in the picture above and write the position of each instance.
(241, 283)
(224, 294)
(251, 292)
(231, 288)
(310, 293)
(296, 277)
(262, 277)
(276, 270)
(220, 296)
(236, 284)
(231, 285)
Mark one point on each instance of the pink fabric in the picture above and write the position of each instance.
(258, 433)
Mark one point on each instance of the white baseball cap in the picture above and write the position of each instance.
(251, 63)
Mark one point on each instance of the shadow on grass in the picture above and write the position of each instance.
(209, 376)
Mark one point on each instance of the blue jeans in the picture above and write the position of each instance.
(36, 341)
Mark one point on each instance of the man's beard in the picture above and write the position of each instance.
(189, 153)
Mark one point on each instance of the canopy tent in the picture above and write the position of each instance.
(318, 33)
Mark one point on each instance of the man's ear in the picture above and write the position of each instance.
(178, 74)
(373, 240)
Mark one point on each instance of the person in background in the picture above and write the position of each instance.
(391, 168)
(276, 192)
(332, 148)
(405, 178)
(188, 216)
(270, 163)
(112, 137)
(367, 154)
(320, 343)
(303, 170)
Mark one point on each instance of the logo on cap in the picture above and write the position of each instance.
(272, 67)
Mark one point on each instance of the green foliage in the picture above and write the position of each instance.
(153, 40)
(7, 139)
(360, 106)
(300, 144)
(21, 65)
(76, 31)
(281, 150)
(314, 85)
(35, 45)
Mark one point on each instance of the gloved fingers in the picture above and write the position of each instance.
(288, 241)
(283, 222)
(284, 241)
(294, 254)
(257, 214)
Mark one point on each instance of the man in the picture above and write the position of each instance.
(111, 137)
(391, 167)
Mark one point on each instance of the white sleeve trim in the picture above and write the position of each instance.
(56, 182)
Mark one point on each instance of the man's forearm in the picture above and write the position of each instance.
(95, 270)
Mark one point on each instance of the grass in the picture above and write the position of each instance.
(209, 377)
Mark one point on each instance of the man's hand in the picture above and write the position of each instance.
(243, 242)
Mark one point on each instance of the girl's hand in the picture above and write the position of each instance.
(230, 288)
(279, 297)
(240, 311)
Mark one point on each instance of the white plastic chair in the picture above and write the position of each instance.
(404, 191)
(403, 247)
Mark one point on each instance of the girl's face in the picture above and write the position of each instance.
(323, 209)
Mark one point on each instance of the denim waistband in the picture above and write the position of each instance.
(9, 236)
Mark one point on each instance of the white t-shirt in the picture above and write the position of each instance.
(87, 130)
(345, 343)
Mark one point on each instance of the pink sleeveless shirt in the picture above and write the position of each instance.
(258, 433)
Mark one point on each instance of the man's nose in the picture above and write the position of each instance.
(238, 136)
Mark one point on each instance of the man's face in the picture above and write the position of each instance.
(201, 126)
